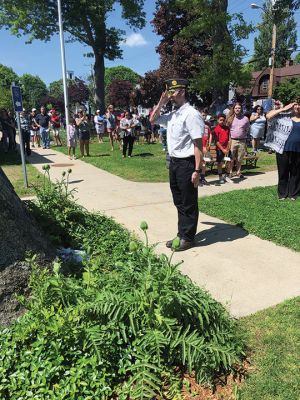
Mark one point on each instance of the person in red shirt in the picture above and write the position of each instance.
(222, 139)
(55, 124)
(206, 142)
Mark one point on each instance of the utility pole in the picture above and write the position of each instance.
(273, 52)
(63, 62)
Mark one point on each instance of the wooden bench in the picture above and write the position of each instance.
(250, 159)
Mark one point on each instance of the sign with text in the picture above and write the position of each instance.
(17, 98)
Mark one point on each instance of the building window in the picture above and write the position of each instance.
(263, 84)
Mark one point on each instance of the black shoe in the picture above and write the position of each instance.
(169, 243)
(184, 245)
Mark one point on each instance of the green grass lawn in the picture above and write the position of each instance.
(11, 164)
(148, 162)
(274, 337)
(260, 212)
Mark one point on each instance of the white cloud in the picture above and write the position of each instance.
(135, 40)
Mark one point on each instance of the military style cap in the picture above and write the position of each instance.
(173, 84)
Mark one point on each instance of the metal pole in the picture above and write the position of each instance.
(22, 151)
(271, 82)
(274, 33)
(63, 62)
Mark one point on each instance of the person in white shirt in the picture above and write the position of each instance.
(99, 126)
(127, 125)
(185, 128)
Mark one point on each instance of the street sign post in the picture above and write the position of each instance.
(18, 107)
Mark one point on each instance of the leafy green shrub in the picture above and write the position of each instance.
(128, 327)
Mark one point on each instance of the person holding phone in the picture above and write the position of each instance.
(185, 128)
(83, 127)
(283, 137)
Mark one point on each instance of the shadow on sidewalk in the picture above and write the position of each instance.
(37, 158)
(219, 232)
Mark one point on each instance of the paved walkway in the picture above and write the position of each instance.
(239, 269)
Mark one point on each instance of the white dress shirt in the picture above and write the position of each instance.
(183, 126)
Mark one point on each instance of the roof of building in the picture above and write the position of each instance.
(283, 72)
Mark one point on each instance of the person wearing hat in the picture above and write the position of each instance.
(185, 128)
(34, 129)
(99, 125)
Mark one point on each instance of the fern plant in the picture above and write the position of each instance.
(128, 327)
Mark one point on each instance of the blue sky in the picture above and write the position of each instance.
(43, 59)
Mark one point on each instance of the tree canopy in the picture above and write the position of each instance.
(7, 77)
(297, 59)
(286, 36)
(84, 21)
(78, 91)
(33, 90)
(200, 41)
(119, 73)
(287, 90)
(119, 93)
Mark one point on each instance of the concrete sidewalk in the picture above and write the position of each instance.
(240, 270)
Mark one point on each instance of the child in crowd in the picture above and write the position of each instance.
(222, 139)
(71, 138)
(206, 143)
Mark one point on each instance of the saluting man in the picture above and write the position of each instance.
(185, 128)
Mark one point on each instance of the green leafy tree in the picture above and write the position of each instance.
(119, 73)
(297, 59)
(56, 88)
(33, 89)
(201, 35)
(7, 77)
(286, 36)
(287, 90)
(86, 22)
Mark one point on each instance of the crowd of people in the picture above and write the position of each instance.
(231, 131)
(123, 128)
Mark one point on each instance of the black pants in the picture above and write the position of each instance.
(288, 165)
(185, 196)
(128, 141)
(26, 142)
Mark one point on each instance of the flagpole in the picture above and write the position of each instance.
(63, 62)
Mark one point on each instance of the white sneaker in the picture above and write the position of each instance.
(227, 179)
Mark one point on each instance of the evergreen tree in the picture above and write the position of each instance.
(286, 36)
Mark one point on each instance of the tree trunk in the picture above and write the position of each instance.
(19, 232)
(99, 71)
